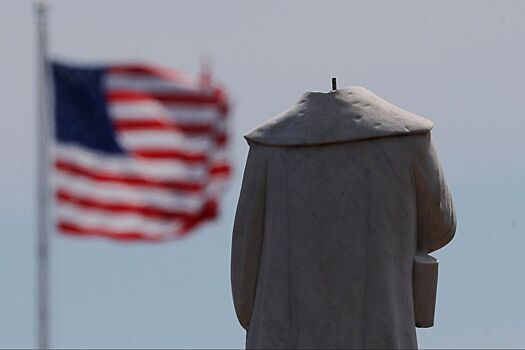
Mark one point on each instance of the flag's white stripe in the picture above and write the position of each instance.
(178, 77)
(219, 155)
(160, 140)
(141, 110)
(115, 222)
(217, 187)
(136, 82)
(220, 126)
(114, 193)
(166, 170)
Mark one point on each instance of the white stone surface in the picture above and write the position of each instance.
(338, 195)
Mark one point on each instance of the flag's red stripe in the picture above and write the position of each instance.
(190, 98)
(149, 70)
(77, 230)
(63, 195)
(222, 170)
(191, 158)
(221, 139)
(152, 124)
(95, 175)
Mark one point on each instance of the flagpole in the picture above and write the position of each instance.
(41, 8)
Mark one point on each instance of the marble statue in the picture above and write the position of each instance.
(342, 199)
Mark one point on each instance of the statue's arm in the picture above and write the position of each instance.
(436, 219)
(248, 235)
(436, 227)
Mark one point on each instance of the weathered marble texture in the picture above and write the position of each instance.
(338, 195)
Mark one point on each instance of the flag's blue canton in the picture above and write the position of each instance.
(81, 114)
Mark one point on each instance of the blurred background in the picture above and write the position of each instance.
(460, 64)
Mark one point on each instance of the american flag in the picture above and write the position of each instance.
(139, 151)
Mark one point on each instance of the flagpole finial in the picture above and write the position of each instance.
(206, 70)
(334, 84)
(41, 5)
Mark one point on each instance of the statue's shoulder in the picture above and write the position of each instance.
(345, 115)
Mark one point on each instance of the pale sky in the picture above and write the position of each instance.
(458, 63)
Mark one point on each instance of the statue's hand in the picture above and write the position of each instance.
(424, 286)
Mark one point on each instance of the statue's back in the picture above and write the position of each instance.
(325, 237)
